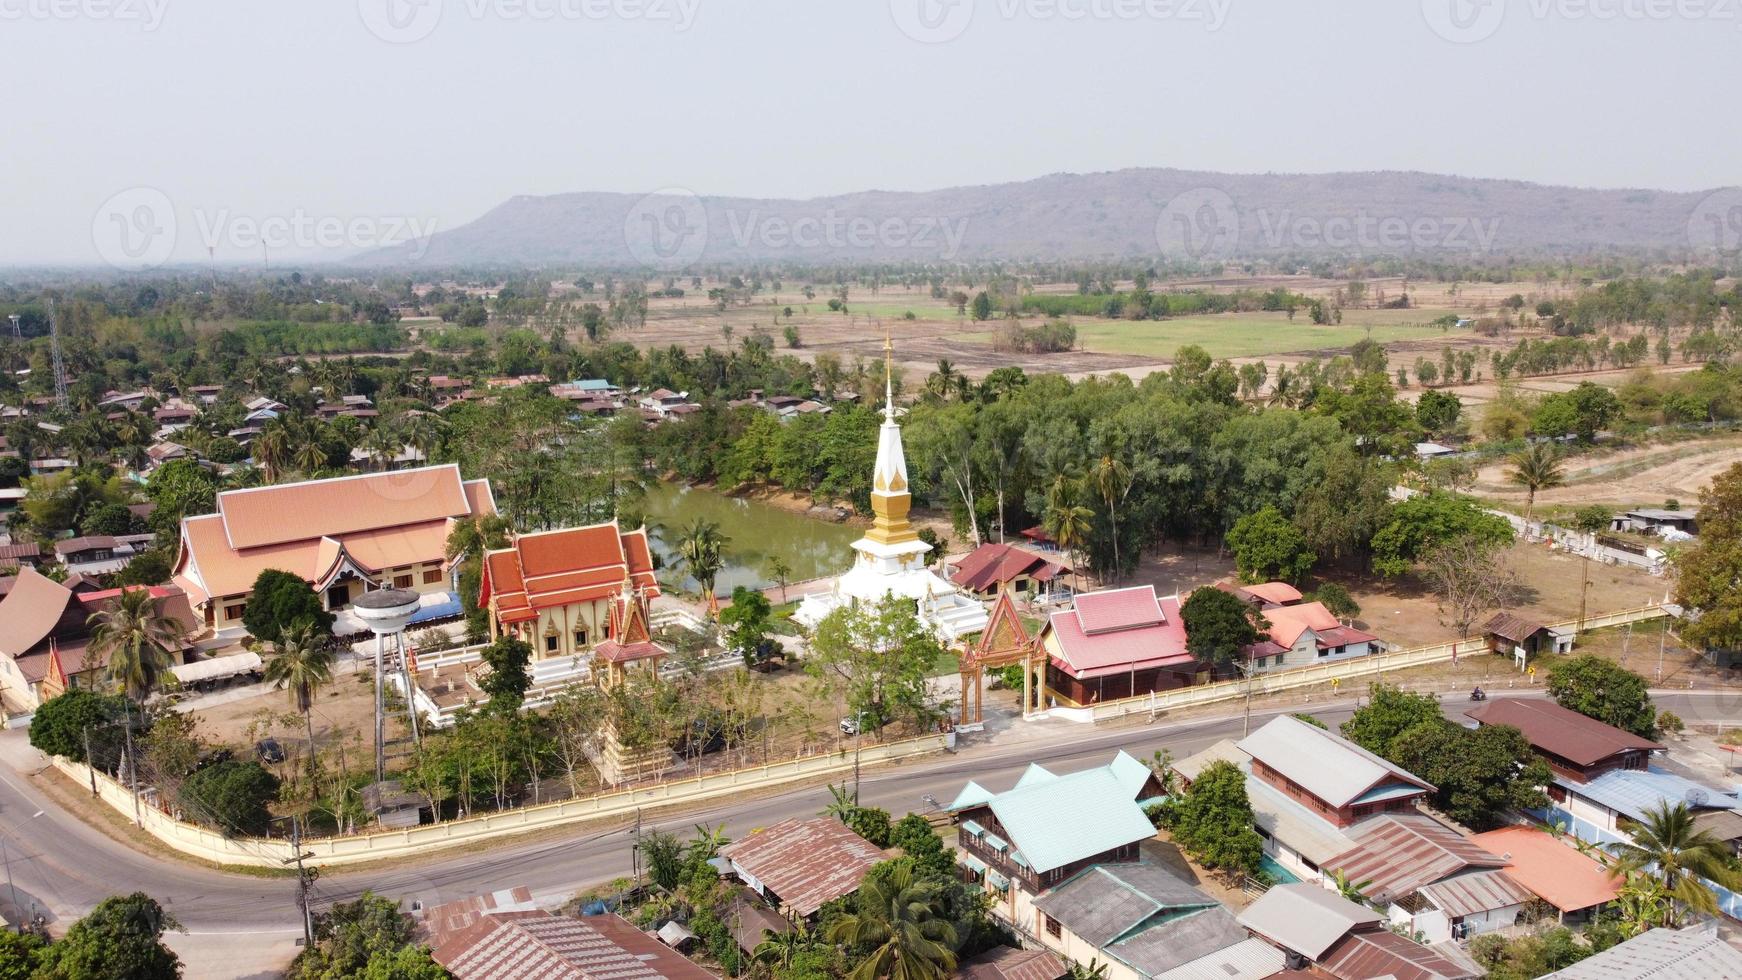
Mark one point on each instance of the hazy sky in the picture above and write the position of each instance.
(298, 116)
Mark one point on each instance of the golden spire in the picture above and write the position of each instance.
(888, 374)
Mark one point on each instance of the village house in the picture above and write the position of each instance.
(1514, 636)
(1308, 787)
(992, 567)
(1143, 922)
(1117, 643)
(1576, 885)
(1672, 524)
(478, 939)
(1022, 842)
(344, 536)
(101, 554)
(1010, 963)
(799, 865)
(206, 395)
(1303, 633)
(45, 636)
(663, 402)
(1324, 934)
(1603, 776)
(1429, 878)
(1696, 952)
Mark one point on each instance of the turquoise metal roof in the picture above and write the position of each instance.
(973, 863)
(972, 794)
(997, 880)
(1035, 774)
(1131, 773)
(996, 843)
(1068, 818)
(973, 827)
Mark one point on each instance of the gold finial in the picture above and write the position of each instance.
(888, 374)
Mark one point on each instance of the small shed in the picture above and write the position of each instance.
(1509, 634)
(391, 805)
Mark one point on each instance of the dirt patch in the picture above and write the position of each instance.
(1637, 476)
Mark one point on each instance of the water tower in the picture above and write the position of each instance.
(386, 612)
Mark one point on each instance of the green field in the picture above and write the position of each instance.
(1247, 334)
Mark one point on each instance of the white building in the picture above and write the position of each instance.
(891, 557)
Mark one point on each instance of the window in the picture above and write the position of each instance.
(431, 576)
(580, 639)
(402, 581)
(1053, 928)
(550, 643)
(234, 612)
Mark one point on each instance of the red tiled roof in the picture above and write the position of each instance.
(291, 512)
(558, 568)
(1118, 609)
(1287, 623)
(1280, 593)
(1085, 655)
(1560, 731)
(1010, 963)
(992, 565)
(805, 861)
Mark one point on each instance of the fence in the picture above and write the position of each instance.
(210, 845)
(1373, 665)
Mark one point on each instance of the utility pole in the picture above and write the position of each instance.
(304, 878)
(132, 763)
(90, 761)
(1246, 723)
(635, 849)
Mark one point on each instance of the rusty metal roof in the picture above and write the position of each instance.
(1382, 953)
(540, 946)
(1396, 855)
(1474, 893)
(1560, 731)
(805, 861)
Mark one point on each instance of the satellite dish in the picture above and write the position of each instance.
(1696, 796)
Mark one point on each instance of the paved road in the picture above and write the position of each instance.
(61, 864)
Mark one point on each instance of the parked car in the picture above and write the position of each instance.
(269, 751)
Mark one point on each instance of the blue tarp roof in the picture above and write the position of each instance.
(1631, 792)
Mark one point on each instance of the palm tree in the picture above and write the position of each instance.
(778, 949)
(382, 445)
(422, 432)
(901, 919)
(1112, 477)
(1538, 467)
(135, 638)
(272, 449)
(310, 457)
(1067, 520)
(842, 803)
(1668, 848)
(701, 547)
(303, 663)
(781, 572)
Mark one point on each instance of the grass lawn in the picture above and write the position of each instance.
(1248, 334)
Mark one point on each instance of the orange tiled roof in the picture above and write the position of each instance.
(378, 521)
(558, 568)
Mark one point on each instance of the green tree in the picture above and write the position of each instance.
(22, 955)
(301, 663)
(1668, 848)
(1604, 690)
(1267, 546)
(1424, 521)
(510, 663)
(1538, 467)
(1213, 821)
(882, 653)
(1480, 774)
(1337, 601)
(745, 623)
(121, 938)
(896, 919)
(1437, 411)
(59, 726)
(1709, 572)
(1219, 625)
(1389, 712)
(280, 601)
(231, 796)
(871, 823)
(664, 854)
(982, 306)
(134, 638)
(701, 547)
(368, 938)
(780, 570)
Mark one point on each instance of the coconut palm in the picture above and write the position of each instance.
(272, 449)
(135, 639)
(302, 663)
(310, 457)
(1538, 467)
(382, 445)
(701, 547)
(1067, 520)
(422, 432)
(900, 918)
(1671, 850)
(1112, 478)
(778, 949)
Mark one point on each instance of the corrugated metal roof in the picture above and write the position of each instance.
(1560, 731)
(540, 946)
(1306, 918)
(1193, 766)
(1251, 959)
(1660, 954)
(1474, 893)
(1057, 821)
(1177, 941)
(1331, 767)
(1010, 963)
(1087, 654)
(1374, 953)
(1554, 870)
(1303, 831)
(1396, 855)
(805, 861)
(1631, 792)
(1108, 901)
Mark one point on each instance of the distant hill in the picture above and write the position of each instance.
(1074, 216)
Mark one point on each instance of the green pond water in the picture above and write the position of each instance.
(755, 531)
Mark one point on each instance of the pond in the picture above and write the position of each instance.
(755, 531)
